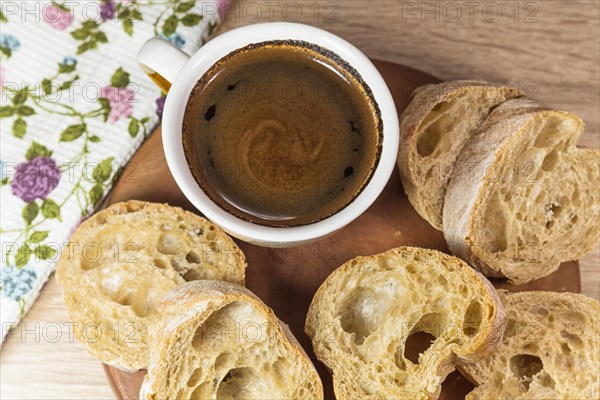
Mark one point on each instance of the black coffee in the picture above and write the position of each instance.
(282, 133)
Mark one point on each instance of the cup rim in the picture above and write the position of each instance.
(218, 48)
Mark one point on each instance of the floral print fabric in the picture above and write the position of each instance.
(35, 179)
(74, 106)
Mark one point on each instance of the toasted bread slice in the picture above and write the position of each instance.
(434, 128)
(549, 350)
(522, 198)
(363, 314)
(216, 340)
(123, 260)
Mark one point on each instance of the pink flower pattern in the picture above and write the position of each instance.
(121, 102)
(56, 17)
(222, 6)
(73, 38)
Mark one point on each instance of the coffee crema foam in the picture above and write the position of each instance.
(282, 133)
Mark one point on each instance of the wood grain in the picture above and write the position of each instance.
(549, 48)
(42, 359)
(286, 279)
(559, 53)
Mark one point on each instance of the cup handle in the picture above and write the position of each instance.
(161, 61)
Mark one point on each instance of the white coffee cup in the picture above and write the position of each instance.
(183, 72)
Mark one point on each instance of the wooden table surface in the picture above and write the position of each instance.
(549, 48)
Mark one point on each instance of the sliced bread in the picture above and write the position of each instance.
(216, 340)
(362, 316)
(123, 260)
(434, 128)
(522, 197)
(549, 350)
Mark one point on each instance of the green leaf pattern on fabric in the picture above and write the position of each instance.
(61, 165)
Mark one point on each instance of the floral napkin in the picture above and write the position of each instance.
(74, 107)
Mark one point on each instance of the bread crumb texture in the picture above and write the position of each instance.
(364, 317)
(216, 340)
(523, 198)
(121, 262)
(434, 128)
(549, 350)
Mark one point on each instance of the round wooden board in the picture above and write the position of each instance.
(286, 279)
